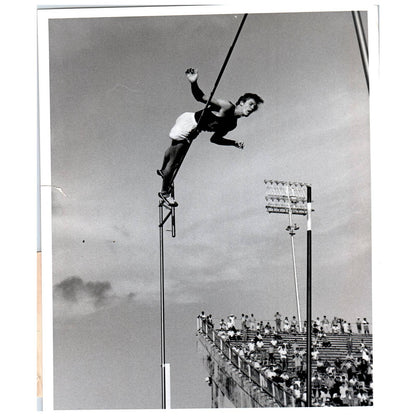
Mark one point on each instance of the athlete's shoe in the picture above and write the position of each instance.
(168, 199)
(160, 173)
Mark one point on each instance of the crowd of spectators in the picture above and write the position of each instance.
(345, 381)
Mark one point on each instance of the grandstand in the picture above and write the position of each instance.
(343, 368)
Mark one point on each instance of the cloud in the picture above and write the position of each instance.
(74, 296)
(74, 289)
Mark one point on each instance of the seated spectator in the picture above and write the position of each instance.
(286, 325)
(336, 400)
(267, 329)
(251, 346)
(294, 325)
(343, 390)
(223, 325)
(231, 334)
(320, 366)
(258, 337)
(324, 394)
(259, 345)
(315, 353)
(337, 364)
(325, 342)
(362, 398)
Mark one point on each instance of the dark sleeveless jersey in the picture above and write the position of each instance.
(211, 122)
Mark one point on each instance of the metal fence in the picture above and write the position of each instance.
(280, 394)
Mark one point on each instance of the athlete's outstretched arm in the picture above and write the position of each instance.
(222, 141)
(192, 75)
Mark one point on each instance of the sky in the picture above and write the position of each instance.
(117, 86)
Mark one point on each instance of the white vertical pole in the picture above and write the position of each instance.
(292, 236)
(167, 382)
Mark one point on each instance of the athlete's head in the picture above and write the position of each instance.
(248, 103)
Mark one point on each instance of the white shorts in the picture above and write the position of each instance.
(184, 125)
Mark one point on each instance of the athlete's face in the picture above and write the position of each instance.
(248, 107)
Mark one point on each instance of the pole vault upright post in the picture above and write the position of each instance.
(165, 369)
(295, 198)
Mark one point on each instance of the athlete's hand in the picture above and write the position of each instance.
(239, 145)
(191, 74)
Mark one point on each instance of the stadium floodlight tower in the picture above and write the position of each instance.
(295, 198)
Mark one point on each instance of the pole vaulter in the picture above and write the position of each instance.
(218, 116)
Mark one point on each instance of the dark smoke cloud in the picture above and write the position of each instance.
(74, 289)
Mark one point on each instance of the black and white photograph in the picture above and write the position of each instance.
(174, 141)
(205, 208)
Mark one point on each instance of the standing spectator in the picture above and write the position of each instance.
(270, 351)
(334, 325)
(243, 322)
(202, 319)
(252, 322)
(251, 347)
(366, 326)
(325, 324)
(349, 344)
(297, 359)
(345, 327)
(359, 325)
(231, 321)
(316, 385)
(282, 350)
(318, 322)
(297, 395)
(349, 328)
(278, 321)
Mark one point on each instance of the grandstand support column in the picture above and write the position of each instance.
(214, 395)
(309, 297)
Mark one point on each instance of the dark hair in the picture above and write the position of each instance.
(249, 95)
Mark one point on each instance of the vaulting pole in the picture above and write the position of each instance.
(362, 43)
(227, 58)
